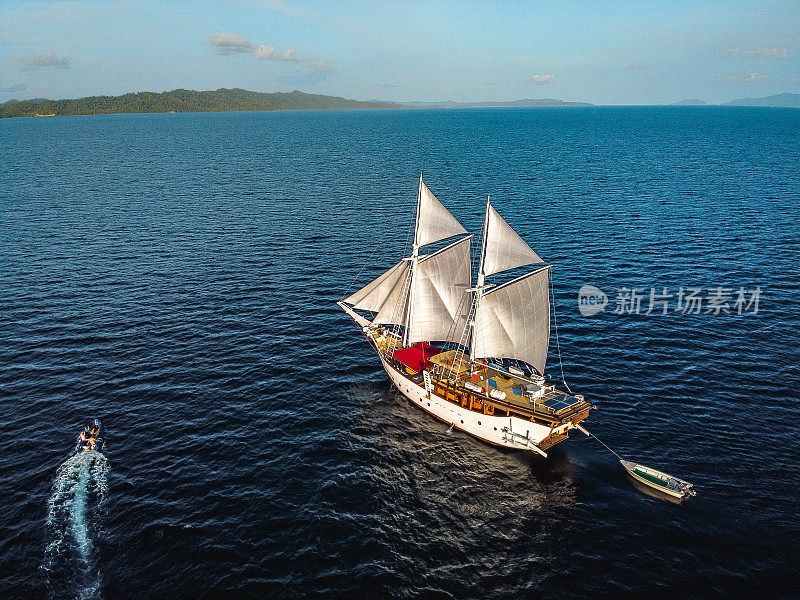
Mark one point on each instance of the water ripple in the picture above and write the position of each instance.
(176, 276)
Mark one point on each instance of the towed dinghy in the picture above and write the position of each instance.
(657, 480)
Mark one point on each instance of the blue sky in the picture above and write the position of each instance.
(602, 52)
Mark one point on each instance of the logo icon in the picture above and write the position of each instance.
(591, 300)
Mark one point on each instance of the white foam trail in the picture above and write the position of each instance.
(79, 487)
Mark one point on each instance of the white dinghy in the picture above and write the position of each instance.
(657, 480)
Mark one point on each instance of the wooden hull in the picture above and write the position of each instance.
(509, 432)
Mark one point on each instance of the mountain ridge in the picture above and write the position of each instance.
(785, 100)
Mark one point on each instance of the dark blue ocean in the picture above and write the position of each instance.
(175, 275)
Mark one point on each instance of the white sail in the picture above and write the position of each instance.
(504, 248)
(373, 295)
(440, 283)
(434, 221)
(392, 310)
(513, 320)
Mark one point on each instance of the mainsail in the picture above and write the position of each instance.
(513, 320)
(434, 221)
(504, 248)
(438, 306)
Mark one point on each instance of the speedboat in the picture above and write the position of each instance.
(91, 437)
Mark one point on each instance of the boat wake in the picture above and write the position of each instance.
(73, 512)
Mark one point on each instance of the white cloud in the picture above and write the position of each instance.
(289, 56)
(264, 52)
(48, 59)
(543, 79)
(748, 79)
(230, 43)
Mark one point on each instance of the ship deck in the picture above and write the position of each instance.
(545, 402)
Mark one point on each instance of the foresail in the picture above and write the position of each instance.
(360, 321)
(439, 306)
(392, 310)
(434, 221)
(513, 320)
(504, 248)
(373, 296)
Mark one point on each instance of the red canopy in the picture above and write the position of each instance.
(416, 356)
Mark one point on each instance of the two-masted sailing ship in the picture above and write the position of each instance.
(472, 356)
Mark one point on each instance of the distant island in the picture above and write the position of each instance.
(690, 102)
(776, 100)
(228, 100)
(223, 100)
(184, 101)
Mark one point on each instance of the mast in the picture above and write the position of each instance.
(481, 279)
(414, 261)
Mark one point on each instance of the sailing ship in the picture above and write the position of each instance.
(471, 356)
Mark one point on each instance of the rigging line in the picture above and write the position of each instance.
(451, 331)
(399, 311)
(397, 215)
(462, 303)
(409, 243)
(460, 347)
(558, 343)
(601, 443)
